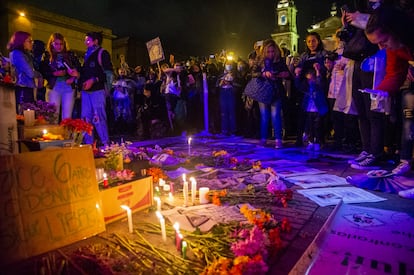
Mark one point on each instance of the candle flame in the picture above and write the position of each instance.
(176, 226)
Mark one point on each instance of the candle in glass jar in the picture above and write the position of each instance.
(203, 193)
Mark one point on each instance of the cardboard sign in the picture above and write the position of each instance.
(48, 199)
(8, 124)
(155, 51)
(137, 195)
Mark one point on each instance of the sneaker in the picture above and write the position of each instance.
(310, 146)
(402, 168)
(367, 164)
(407, 194)
(278, 143)
(316, 147)
(359, 158)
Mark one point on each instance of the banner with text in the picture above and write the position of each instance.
(48, 199)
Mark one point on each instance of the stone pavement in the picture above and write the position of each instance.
(307, 217)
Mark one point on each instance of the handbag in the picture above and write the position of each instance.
(260, 90)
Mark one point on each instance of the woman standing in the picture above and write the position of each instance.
(20, 47)
(60, 82)
(274, 69)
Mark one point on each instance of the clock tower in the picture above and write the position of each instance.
(286, 33)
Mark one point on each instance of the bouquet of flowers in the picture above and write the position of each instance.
(77, 128)
(45, 112)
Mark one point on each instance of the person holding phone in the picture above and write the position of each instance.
(59, 69)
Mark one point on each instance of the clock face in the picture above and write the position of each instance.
(282, 19)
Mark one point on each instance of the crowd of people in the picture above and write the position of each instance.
(353, 95)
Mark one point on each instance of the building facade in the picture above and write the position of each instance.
(41, 24)
(286, 32)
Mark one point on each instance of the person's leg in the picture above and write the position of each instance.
(54, 96)
(99, 115)
(276, 114)
(68, 101)
(264, 121)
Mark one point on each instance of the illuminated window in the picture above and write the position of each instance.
(282, 18)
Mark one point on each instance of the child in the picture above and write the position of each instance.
(314, 105)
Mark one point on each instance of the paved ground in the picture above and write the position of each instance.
(307, 217)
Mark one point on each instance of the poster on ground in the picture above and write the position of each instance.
(361, 240)
(48, 199)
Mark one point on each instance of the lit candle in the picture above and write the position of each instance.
(172, 187)
(184, 249)
(158, 200)
(184, 177)
(105, 180)
(185, 193)
(193, 190)
(29, 117)
(202, 193)
(170, 197)
(129, 215)
(189, 146)
(177, 237)
(179, 242)
(162, 225)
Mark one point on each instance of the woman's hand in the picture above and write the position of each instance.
(59, 73)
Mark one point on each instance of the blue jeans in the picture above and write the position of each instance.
(93, 111)
(62, 94)
(227, 111)
(407, 138)
(273, 111)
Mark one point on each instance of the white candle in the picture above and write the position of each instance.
(29, 117)
(161, 182)
(185, 193)
(184, 177)
(202, 193)
(170, 197)
(193, 190)
(189, 146)
(158, 200)
(129, 215)
(162, 225)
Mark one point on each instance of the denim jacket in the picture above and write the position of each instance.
(22, 63)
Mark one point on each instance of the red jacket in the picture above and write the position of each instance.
(396, 70)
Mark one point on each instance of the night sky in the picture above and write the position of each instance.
(197, 27)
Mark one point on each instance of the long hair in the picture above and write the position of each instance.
(318, 37)
(50, 47)
(271, 43)
(16, 41)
